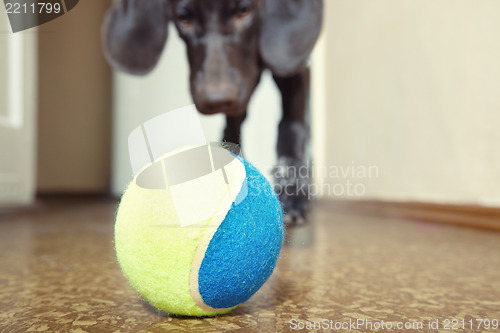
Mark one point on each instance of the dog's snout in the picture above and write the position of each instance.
(218, 97)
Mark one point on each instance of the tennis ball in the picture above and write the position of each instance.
(201, 269)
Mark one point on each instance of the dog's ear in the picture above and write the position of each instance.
(134, 34)
(289, 30)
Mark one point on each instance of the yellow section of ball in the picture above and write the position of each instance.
(155, 254)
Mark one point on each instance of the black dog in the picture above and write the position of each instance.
(229, 44)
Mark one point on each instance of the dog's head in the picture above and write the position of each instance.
(228, 42)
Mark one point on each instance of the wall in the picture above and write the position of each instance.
(74, 103)
(412, 89)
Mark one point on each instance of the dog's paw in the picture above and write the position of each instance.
(296, 217)
(292, 184)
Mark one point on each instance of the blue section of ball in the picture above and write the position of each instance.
(243, 251)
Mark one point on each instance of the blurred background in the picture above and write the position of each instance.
(405, 105)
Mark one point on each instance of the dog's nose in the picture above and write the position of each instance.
(218, 97)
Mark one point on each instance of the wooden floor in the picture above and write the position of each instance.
(345, 272)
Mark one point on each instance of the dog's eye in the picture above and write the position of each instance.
(242, 10)
(184, 17)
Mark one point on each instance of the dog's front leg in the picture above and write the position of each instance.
(292, 174)
(232, 133)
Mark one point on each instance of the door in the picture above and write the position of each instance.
(17, 114)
